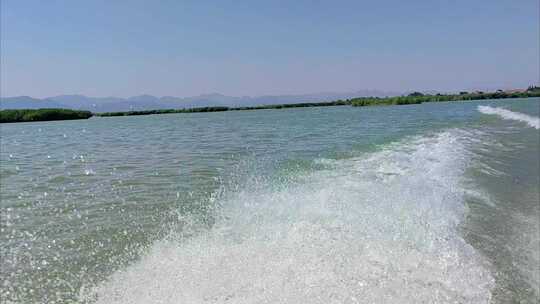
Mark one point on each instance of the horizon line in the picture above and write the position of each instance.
(394, 92)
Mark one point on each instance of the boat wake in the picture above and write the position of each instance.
(381, 228)
(532, 121)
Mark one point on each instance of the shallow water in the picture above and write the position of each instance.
(434, 203)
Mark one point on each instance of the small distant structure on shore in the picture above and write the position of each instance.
(516, 91)
(507, 91)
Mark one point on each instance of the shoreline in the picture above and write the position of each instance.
(32, 115)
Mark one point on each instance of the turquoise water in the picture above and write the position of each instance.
(429, 203)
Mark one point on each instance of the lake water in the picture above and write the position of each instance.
(431, 203)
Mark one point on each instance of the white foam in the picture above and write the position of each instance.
(532, 121)
(381, 228)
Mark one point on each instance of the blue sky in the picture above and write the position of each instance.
(184, 48)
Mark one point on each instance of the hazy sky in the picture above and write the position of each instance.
(183, 48)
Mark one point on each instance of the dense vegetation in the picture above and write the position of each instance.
(295, 105)
(23, 115)
(417, 97)
(221, 109)
(413, 98)
(165, 111)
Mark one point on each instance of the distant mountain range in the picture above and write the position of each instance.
(149, 102)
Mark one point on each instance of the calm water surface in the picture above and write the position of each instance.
(431, 203)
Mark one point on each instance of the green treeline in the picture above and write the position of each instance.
(413, 98)
(295, 105)
(24, 115)
(222, 109)
(165, 111)
(417, 97)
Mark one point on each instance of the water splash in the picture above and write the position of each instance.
(532, 121)
(382, 228)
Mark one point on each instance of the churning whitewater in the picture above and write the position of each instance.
(378, 228)
(532, 121)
